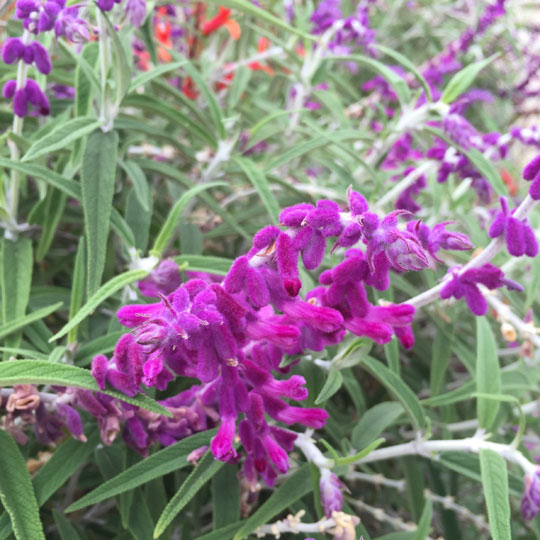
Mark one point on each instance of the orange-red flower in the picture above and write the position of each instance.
(509, 181)
(162, 31)
(261, 47)
(221, 19)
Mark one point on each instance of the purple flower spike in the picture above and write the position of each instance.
(530, 504)
(520, 238)
(466, 285)
(532, 172)
(73, 421)
(20, 103)
(331, 497)
(9, 89)
(13, 50)
(136, 12)
(164, 279)
(41, 58)
(105, 5)
(357, 202)
(99, 370)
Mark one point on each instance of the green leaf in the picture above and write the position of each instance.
(294, 488)
(70, 187)
(141, 523)
(172, 172)
(398, 388)
(140, 184)
(77, 288)
(310, 145)
(331, 386)
(201, 474)
(463, 79)
(106, 290)
(97, 183)
(64, 527)
(16, 491)
(407, 64)
(15, 279)
(122, 69)
(54, 208)
(440, 357)
(147, 76)
(164, 461)
(225, 497)
(374, 422)
(20, 322)
(62, 136)
(495, 483)
(171, 222)
(205, 263)
(82, 63)
(225, 533)
(487, 169)
(83, 86)
(257, 177)
(45, 372)
(391, 77)
(424, 525)
(210, 98)
(488, 375)
(359, 455)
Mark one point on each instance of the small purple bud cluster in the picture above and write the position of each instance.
(519, 236)
(465, 284)
(37, 17)
(351, 32)
(531, 173)
(530, 503)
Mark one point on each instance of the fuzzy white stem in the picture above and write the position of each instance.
(431, 449)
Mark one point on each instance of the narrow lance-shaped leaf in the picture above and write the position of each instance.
(17, 493)
(495, 483)
(45, 372)
(294, 488)
(463, 79)
(164, 461)
(97, 183)
(398, 388)
(488, 374)
(62, 136)
(167, 230)
(15, 279)
(260, 183)
(201, 474)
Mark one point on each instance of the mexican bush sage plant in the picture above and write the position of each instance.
(269, 269)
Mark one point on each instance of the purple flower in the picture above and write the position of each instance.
(31, 94)
(330, 487)
(530, 503)
(433, 240)
(13, 50)
(402, 249)
(520, 237)
(163, 280)
(136, 12)
(466, 285)
(532, 172)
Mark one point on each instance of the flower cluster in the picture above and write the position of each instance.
(233, 335)
(38, 17)
(352, 32)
